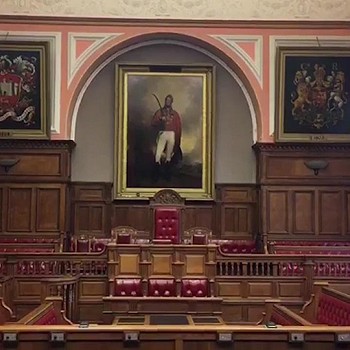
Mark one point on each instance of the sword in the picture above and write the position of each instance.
(155, 96)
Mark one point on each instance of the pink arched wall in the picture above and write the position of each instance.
(248, 49)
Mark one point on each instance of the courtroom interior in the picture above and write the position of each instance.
(174, 174)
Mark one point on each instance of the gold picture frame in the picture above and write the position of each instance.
(24, 81)
(313, 95)
(164, 131)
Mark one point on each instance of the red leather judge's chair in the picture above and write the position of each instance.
(167, 206)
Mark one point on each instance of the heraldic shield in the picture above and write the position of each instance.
(23, 101)
(313, 95)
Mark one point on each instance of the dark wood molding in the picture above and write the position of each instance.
(37, 144)
(300, 147)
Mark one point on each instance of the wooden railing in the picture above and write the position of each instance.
(66, 288)
(54, 264)
(60, 274)
(48, 313)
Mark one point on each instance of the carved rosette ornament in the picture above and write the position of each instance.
(167, 196)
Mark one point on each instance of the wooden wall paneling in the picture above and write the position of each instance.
(2, 207)
(91, 209)
(236, 220)
(38, 160)
(286, 164)
(50, 208)
(276, 215)
(237, 208)
(138, 216)
(200, 215)
(34, 208)
(303, 211)
(347, 211)
(331, 211)
(91, 205)
(34, 191)
(296, 201)
(20, 211)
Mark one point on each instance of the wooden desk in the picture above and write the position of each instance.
(161, 261)
(190, 337)
(155, 305)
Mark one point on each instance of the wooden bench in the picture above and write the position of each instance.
(48, 313)
(18, 244)
(6, 313)
(327, 306)
(309, 247)
(281, 315)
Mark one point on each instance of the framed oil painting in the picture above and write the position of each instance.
(313, 87)
(164, 131)
(23, 91)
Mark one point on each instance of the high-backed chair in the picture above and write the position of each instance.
(81, 244)
(198, 235)
(124, 234)
(167, 206)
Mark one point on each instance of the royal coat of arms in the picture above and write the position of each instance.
(313, 95)
(22, 88)
(319, 96)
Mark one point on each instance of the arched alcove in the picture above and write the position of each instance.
(234, 160)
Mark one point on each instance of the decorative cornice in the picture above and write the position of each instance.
(301, 147)
(37, 144)
(205, 9)
(168, 22)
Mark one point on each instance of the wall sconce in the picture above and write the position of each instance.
(7, 164)
(316, 165)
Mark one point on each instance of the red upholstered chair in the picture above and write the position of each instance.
(198, 235)
(128, 287)
(124, 234)
(167, 206)
(99, 245)
(198, 287)
(81, 245)
(161, 287)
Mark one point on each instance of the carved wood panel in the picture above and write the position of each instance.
(91, 213)
(199, 216)
(33, 208)
(2, 207)
(276, 211)
(331, 212)
(230, 216)
(236, 220)
(37, 161)
(305, 211)
(49, 216)
(347, 212)
(20, 208)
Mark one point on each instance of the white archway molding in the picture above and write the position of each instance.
(162, 42)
